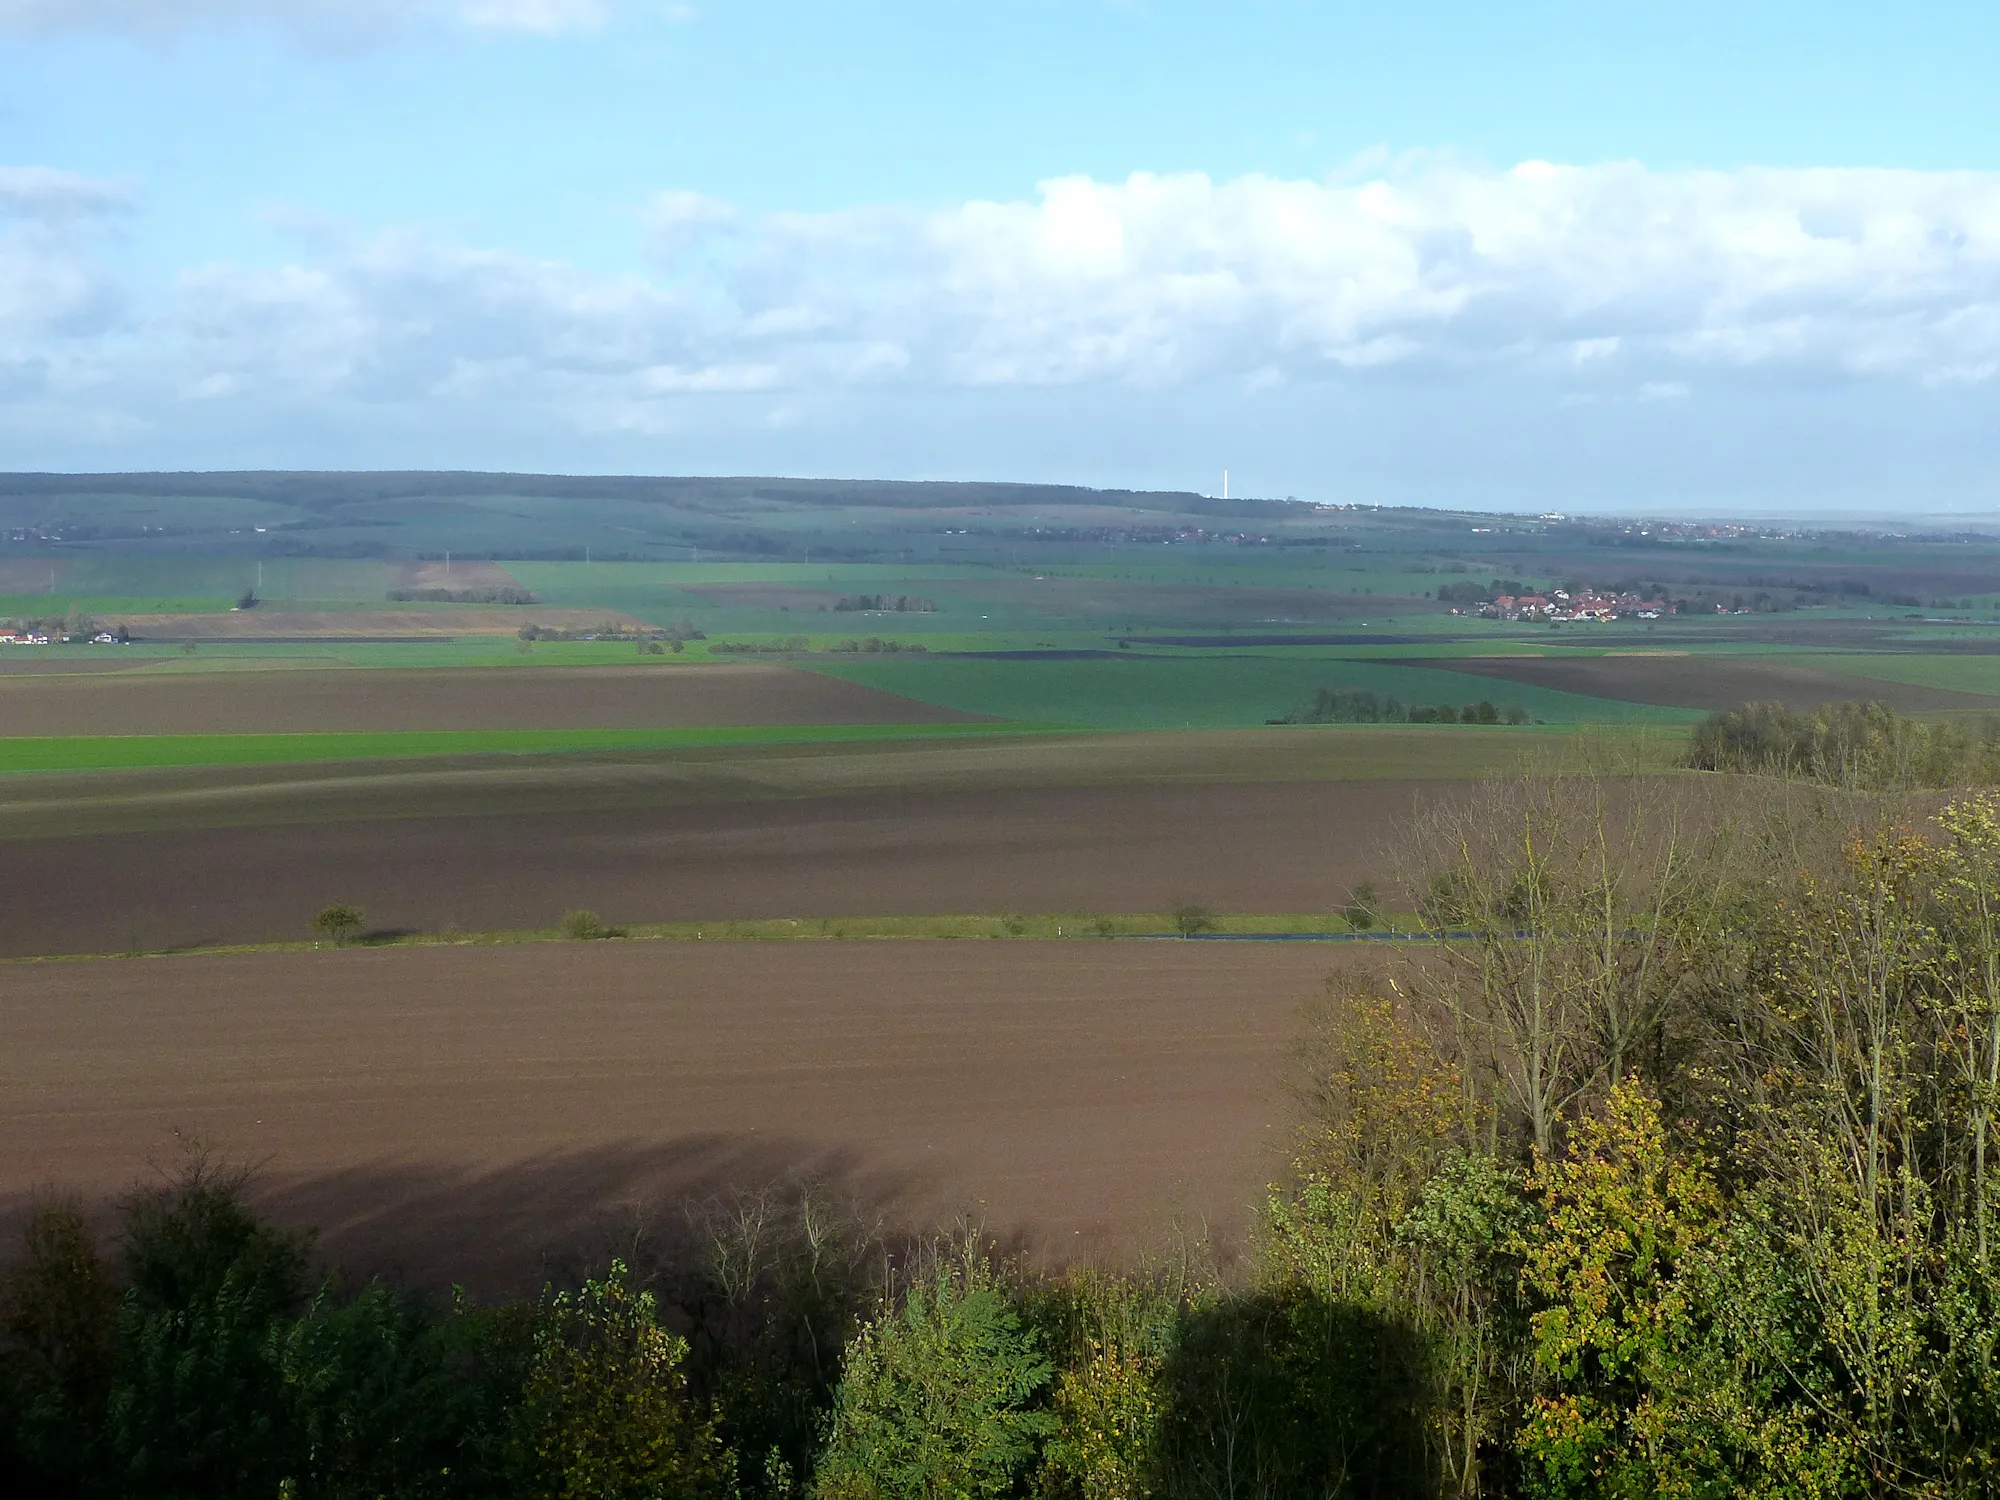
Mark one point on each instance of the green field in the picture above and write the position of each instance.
(1094, 611)
(127, 752)
(1141, 691)
(1956, 673)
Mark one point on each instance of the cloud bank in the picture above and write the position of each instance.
(1606, 283)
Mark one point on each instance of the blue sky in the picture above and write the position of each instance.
(1696, 257)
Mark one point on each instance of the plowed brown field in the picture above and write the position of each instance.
(1258, 847)
(462, 1111)
(305, 701)
(1707, 682)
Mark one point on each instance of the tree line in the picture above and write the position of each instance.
(1363, 706)
(1852, 744)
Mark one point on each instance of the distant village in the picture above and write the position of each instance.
(10, 637)
(1561, 604)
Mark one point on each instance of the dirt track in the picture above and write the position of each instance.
(462, 1109)
(296, 702)
(1254, 847)
(1707, 682)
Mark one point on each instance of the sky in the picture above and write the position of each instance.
(1715, 258)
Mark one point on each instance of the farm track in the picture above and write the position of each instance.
(469, 1112)
(658, 696)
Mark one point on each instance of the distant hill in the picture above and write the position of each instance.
(408, 513)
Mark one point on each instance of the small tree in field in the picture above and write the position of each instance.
(339, 922)
(1191, 917)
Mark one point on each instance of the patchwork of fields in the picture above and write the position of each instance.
(1088, 729)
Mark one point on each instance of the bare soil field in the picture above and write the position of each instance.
(26, 575)
(1682, 681)
(458, 575)
(471, 1112)
(306, 701)
(443, 622)
(1269, 847)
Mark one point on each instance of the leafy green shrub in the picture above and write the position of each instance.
(1191, 917)
(391, 1395)
(583, 925)
(1107, 1425)
(198, 1406)
(1113, 1335)
(604, 1412)
(938, 1397)
(339, 922)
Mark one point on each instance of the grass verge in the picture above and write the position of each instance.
(1029, 927)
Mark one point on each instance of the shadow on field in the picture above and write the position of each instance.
(505, 1230)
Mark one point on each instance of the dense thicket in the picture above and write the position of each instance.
(1362, 706)
(1667, 1169)
(1861, 745)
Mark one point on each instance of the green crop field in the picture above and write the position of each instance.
(1956, 673)
(129, 752)
(1206, 692)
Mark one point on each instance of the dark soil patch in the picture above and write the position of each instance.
(470, 1113)
(1697, 681)
(297, 702)
(1251, 847)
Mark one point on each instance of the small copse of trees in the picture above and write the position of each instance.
(900, 604)
(1363, 706)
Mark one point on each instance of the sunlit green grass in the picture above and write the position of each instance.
(126, 752)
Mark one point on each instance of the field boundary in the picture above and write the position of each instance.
(1261, 927)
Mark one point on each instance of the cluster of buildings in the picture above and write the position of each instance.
(12, 637)
(1561, 604)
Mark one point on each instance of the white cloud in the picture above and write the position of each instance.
(338, 21)
(1579, 283)
(53, 294)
